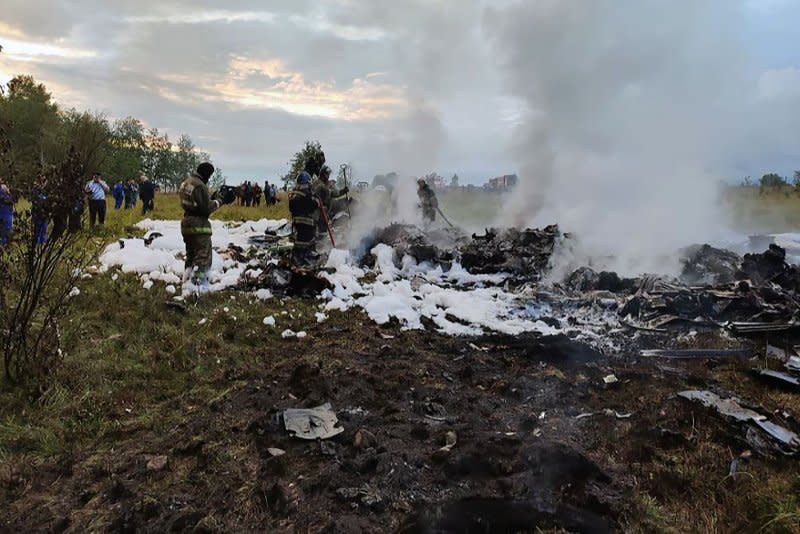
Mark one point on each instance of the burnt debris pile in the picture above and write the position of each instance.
(524, 254)
(519, 252)
(718, 287)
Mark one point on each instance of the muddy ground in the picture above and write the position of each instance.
(522, 460)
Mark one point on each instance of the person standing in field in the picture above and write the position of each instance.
(198, 205)
(148, 193)
(428, 201)
(303, 206)
(6, 213)
(127, 194)
(119, 195)
(256, 195)
(97, 189)
(134, 193)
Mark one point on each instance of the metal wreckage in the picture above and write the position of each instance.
(748, 305)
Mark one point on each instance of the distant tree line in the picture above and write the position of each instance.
(41, 133)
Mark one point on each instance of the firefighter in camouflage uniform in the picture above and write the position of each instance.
(303, 206)
(198, 205)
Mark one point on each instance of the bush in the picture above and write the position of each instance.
(39, 266)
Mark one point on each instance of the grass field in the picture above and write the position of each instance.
(136, 367)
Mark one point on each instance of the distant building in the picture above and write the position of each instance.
(502, 183)
(362, 186)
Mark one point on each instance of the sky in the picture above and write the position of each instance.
(418, 86)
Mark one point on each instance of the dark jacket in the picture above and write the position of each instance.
(197, 206)
(147, 191)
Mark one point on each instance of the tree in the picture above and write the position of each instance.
(218, 179)
(32, 119)
(127, 149)
(747, 182)
(311, 159)
(158, 159)
(772, 180)
(454, 181)
(187, 158)
(89, 135)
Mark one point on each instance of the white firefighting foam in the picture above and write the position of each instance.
(455, 301)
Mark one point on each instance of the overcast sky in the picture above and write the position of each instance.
(413, 86)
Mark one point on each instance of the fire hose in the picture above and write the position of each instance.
(324, 213)
(443, 217)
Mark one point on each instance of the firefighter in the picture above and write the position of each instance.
(198, 205)
(427, 201)
(303, 205)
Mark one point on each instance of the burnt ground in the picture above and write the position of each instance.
(522, 460)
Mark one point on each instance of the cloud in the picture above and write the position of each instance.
(205, 17)
(417, 86)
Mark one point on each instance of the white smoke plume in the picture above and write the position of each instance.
(631, 108)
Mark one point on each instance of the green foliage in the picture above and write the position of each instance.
(311, 158)
(89, 135)
(32, 122)
(38, 269)
(40, 134)
(772, 180)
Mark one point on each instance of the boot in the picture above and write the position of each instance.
(202, 282)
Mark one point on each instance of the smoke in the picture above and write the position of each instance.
(630, 109)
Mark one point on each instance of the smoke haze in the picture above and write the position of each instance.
(630, 109)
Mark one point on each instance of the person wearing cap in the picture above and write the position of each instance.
(198, 205)
(427, 201)
(302, 206)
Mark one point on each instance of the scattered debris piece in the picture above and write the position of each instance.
(364, 439)
(157, 463)
(327, 448)
(366, 495)
(618, 415)
(685, 354)
(312, 423)
(274, 451)
(269, 321)
(793, 364)
(450, 440)
(610, 379)
(787, 442)
(778, 378)
(759, 327)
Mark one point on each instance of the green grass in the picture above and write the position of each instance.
(133, 364)
(773, 211)
(122, 373)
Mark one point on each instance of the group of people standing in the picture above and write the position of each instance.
(127, 194)
(249, 194)
(94, 191)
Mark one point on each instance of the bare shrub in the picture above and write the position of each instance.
(40, 265)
